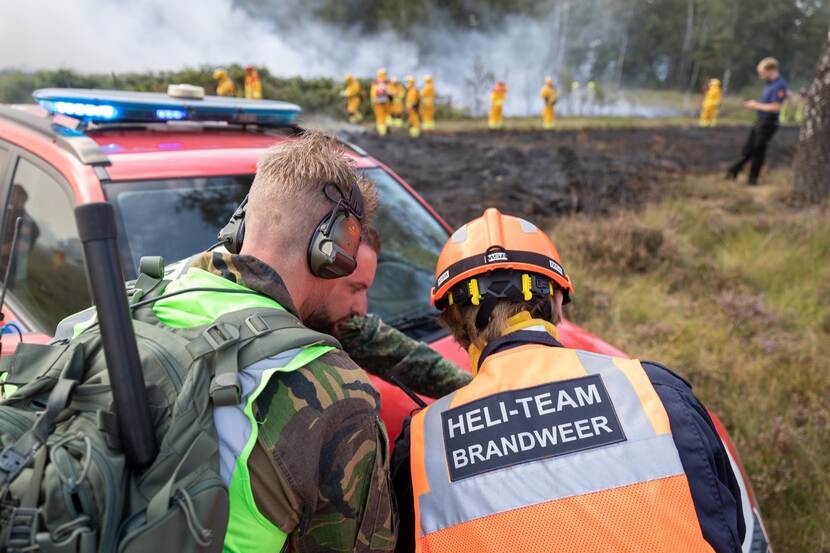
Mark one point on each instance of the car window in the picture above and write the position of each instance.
(176, 218)
(173, 218)
(411, 241)
(47, 279)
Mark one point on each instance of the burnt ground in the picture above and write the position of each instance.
(540, 174)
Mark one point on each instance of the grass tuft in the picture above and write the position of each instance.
(730, 286)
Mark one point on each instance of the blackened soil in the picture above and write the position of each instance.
(542, 174)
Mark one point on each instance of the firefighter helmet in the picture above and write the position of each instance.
(494, 242)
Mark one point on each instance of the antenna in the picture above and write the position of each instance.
(412, 395)
(17, 224)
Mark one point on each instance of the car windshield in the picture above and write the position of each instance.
(176, 218)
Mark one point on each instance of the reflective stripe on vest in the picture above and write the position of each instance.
(248, 529)
(624, 490)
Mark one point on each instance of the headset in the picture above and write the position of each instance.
(332, 250)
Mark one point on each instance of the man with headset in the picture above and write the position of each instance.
(318, 468)
(381, 349)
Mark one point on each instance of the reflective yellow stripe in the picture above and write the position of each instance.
(652, 406)
(527, 372)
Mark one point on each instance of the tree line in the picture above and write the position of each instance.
(671, 44)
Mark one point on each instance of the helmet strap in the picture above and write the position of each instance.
(485, 311)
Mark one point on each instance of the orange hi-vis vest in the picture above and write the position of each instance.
(550, 449)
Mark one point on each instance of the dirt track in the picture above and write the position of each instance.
(538, 173)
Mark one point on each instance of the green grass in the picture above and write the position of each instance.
(731, 287)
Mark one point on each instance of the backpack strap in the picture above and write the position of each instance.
(15, 457)
(145, 288)
(245, 337)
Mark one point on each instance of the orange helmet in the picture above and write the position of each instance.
(491, 242)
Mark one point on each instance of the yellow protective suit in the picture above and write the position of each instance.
(352, 93)
(711, 104)
(427, 107)
(396, 108)
(412, 100)
(495, 119)
(379, 94)
(549, 97)
(224, 86)
(253, 84)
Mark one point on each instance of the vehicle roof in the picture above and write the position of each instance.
(152, 153)
(179, 150)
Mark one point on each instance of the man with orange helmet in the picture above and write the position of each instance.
(549, 448)
(495, 119)
(253, 84)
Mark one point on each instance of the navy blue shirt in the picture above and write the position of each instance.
(774, 93)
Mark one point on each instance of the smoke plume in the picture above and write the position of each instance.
(103, 36)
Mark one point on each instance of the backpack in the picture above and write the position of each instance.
(64, 483)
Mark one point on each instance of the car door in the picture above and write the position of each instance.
(43, 268)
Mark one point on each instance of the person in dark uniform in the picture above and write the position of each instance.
(768, 109)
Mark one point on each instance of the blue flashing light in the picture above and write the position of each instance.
(83, 111)
(171, 114)
(114, 106)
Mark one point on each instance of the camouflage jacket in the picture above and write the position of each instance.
(322, 472)
(385, 351)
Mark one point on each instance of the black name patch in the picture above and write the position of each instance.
(525, 425)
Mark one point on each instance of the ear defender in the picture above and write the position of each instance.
(233, 233)
(332, 250)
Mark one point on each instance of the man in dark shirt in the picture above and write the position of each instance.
(768, 109)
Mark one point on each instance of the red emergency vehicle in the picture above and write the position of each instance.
(175, 167)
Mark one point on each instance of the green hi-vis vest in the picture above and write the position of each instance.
(248, 529)
(206, 357)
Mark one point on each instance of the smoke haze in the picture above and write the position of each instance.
(102, 36)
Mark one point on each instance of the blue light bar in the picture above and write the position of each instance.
(84, 111)
(115, 106)
(170, 114)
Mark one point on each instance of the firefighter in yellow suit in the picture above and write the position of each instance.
(549, 97)
(495, 119)
(379, 94)
(711, 104)
(396, 108)
(352, 94)
(412, 101)
(427, 109)
(225, 86)
(253, 84)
